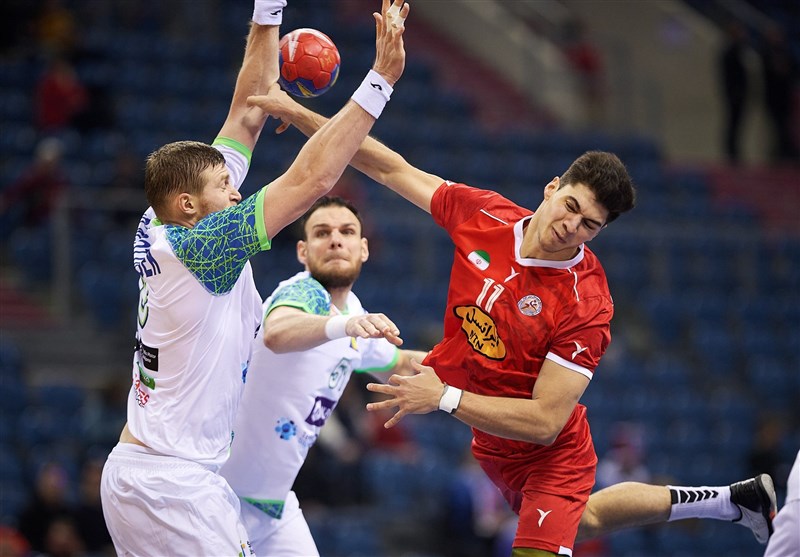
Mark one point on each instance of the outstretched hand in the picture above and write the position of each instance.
(410, 394)
(390, 54)
(373, 325)
(278, 104)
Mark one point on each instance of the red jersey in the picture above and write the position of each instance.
(506, 314)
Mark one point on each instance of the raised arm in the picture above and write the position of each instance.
(374, 159)
(324, 157)
(258, 72)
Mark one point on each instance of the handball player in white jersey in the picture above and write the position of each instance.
(315, 335)
(198, 306)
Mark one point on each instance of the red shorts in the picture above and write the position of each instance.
(548, 490)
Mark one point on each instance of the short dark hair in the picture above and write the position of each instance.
(607, 177)
(176, 168)
(327, 201)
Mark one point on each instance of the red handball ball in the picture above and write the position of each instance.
(309, 63)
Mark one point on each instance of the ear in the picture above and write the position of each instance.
(302, 252)
(364, 250)
(552, 187)
(186, 204)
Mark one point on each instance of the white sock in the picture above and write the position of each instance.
(702, 502)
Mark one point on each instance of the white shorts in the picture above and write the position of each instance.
(287, 536)
(163, 505)
(785, 542)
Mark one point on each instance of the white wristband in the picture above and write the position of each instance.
(268, 12)
(373, 93)
(451, 398)
(336, 326)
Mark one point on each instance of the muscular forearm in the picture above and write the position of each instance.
(511, 418)
(295, 332)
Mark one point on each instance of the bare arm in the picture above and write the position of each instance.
(536, 420)
(374, 159)
(324, 157)
(258, 72)
(288, 329)
(404, 366)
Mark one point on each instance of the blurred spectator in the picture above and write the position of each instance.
(477, 517)
(60, 96)
(734, 84)
(780, 72)
(89, 521)
(12, 543)
(55, 29)
(587, 64)
(30, 200)
(624, 462)
(62, 539)
(48, 504)
(766, 455)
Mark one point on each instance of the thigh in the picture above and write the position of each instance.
(171, 511)
(549, 521)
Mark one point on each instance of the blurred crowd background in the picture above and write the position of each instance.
(701, 384)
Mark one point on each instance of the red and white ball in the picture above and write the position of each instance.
(309, 63)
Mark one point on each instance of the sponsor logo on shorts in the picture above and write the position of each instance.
(542, 516)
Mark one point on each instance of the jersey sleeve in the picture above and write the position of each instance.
(453, 204)
(306, 294)
(380, 355)
(237, 158)
(583, 335)
(216, 250)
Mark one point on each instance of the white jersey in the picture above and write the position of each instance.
(198, 313)
(289, 397)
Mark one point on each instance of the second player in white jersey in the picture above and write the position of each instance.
(316, 335)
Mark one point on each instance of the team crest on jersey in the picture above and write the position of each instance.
(530, 305)
(481, 332)
(480, 259)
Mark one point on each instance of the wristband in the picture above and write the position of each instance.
(336, 326)
(373, 93)
(268, 12)
(451, 398)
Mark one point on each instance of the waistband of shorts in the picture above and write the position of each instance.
(137, 456)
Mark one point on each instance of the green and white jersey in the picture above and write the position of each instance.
(289, 397)
(198, 313)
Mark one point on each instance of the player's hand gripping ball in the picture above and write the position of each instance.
(309, 63)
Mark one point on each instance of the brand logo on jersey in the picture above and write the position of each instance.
(513, 274)
(286, 429)
(542, 516)
(530, 305)
(481, 332)
(480, 259)
(321, 411)
(578, 349)
(149, 356)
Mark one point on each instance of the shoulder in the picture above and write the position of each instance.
(302, 292)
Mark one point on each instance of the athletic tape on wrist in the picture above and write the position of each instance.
(451, 398)
(373, 93)
(336, 326)
(268, 12)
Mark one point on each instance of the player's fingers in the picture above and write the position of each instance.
(393, 421)
(379, 388)
(257, 100)
(394, 380)
(282, 128)
(394, 339)
(381, 405)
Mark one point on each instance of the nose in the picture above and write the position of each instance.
(236, 195)
(336, 238)
(571, 223)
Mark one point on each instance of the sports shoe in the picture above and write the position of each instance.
(756, 501)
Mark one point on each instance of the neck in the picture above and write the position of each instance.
(339, 297)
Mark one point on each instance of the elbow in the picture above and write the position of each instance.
(546, 434)
(274, 343)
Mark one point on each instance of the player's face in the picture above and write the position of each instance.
(570, 216)
(219, 192)
(334, 249)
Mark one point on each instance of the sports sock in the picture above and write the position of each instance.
(702, 502)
